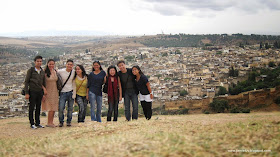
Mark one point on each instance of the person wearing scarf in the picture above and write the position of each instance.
(114, 92)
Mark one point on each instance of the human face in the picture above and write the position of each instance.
(38, 63)
(96, 67)
(78, 71)
(69, 66)
(51, 65)
(135, 71)
(112, 72)
(122, 67)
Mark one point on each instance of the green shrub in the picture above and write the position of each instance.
(88, 111)
(219, 105)
(183, 93)
(184, 111)
(206, 112)
(164, 112)
(277, 100)
(104, 113)
(76, 108)
(235, 110)
(245, 110)
(121, 112)
(43, 114)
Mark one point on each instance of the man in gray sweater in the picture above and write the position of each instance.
(35, 84)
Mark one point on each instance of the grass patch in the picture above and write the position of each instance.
(180, 135)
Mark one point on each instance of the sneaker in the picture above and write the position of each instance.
(60, 124)
(68, 124)
(40, 126)
(33, 127)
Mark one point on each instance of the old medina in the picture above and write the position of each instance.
(196, 71)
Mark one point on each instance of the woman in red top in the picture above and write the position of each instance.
(114, 92)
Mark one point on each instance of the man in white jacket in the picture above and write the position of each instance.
(68, 92)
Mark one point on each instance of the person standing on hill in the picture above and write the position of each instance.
(129, 91)
(50, 104)
(114, 91)
(146, 95)
(34, 89)
(81, 90)
(94, 90)
(67, 93)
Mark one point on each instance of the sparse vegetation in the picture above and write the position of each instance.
(268, 78)
(129, 58)
(183, 135)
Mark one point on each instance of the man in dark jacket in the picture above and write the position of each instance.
(129, 91)
(35, 84)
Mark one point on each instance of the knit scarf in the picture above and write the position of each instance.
(112, 90)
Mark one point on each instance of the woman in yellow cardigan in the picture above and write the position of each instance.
(81, 92)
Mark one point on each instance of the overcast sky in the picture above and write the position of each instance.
(138, 17)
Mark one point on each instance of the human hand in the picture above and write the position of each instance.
(27, 96)
(44, 98)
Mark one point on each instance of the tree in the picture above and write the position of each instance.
(222, 91)
(276, 45)
(219, 105)
(267, 46)
(241, 45)
(164, 54)
(183, 93)
(233, 72)
(271, 64)
(252, 76)
(261, 45)
(177, 51)
(158, 75)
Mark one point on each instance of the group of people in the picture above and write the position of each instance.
(53, 89)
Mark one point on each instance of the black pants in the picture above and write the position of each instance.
(35, 103)
(82, 102)
(147, 109)
(113, 106)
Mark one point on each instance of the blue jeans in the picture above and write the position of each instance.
(92, 99)
(130, 96)
(65, 96)
(82, 102)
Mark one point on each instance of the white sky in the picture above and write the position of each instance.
(138, 17)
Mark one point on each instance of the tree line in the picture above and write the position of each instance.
(187, 40)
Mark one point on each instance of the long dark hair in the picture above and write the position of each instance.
(97, 63)
(112, 67)
(47, 69)
(84, 74)
(137, 67)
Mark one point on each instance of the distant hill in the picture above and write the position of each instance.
(187, 40)
(51, 46)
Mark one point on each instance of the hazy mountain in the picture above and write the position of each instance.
(55, 33)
